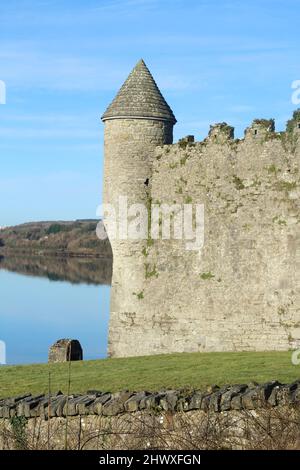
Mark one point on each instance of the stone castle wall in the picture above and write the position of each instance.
(242, 290)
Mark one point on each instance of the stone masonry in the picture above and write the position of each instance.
(241, 291)
(214, 399)
(65, 350)
(242, 416)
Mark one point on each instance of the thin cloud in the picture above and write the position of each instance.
(57, 72)
(66, 119)
(36, 133)
(241, 108)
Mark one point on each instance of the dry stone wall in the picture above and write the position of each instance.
(241, 416)
(214, 399)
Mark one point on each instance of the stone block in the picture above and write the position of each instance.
(133, 403)
(227, 397)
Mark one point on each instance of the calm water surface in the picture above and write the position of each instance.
(39, 306)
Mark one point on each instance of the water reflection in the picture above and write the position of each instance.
(35, 311)
(96, 271)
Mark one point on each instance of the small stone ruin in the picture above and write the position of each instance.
(65, 350)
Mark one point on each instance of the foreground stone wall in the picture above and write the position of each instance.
(229, 417)
(216, 399)
(242, 290)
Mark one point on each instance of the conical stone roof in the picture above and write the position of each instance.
(139, 97)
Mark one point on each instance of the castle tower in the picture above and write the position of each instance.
(136, 122)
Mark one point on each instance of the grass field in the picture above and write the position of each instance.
(194, 370)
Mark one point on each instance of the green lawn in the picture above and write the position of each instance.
(195, 370)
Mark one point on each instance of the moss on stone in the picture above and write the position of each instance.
(268, 124)
(272, 169)
(238, 182)
(291, 124)
(183, 144)
(145, 252)
(139, 295)
(207, 276)
(150, 271)
(183, 180)
(179, 190)
(278, 220)
(183, 160)
(286, 185)
(172, 166)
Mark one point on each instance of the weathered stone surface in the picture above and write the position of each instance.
(205, 403)
(253, 399)
(295, 392)
(44, 408)
(190, 400)
(99, 402)
(70, 407)
(278, 394)
(236, 402)
(6, 411)
(84, 406)
(116, 404)
(168, 400)
(65, 350)
(56, 406)
(227, 397)
(236, 397)
(215, 400)
(24, 406)
(235, 293)
(150, 402)
(258, 396)
(133, 403)
(31, 407)
(196, 400)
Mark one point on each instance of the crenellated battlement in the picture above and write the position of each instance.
(241, 290)
(221, 132)
(293, 125)
(259, 130)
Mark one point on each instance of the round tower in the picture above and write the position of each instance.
(137, 121)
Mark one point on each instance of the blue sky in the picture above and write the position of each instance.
(63, 62)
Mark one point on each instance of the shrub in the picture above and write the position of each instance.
(54, 228)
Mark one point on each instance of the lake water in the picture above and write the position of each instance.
(43, 302)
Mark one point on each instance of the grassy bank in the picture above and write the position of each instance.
(195, 370)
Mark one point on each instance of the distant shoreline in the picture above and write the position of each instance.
(49, 254)
(64, 239)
